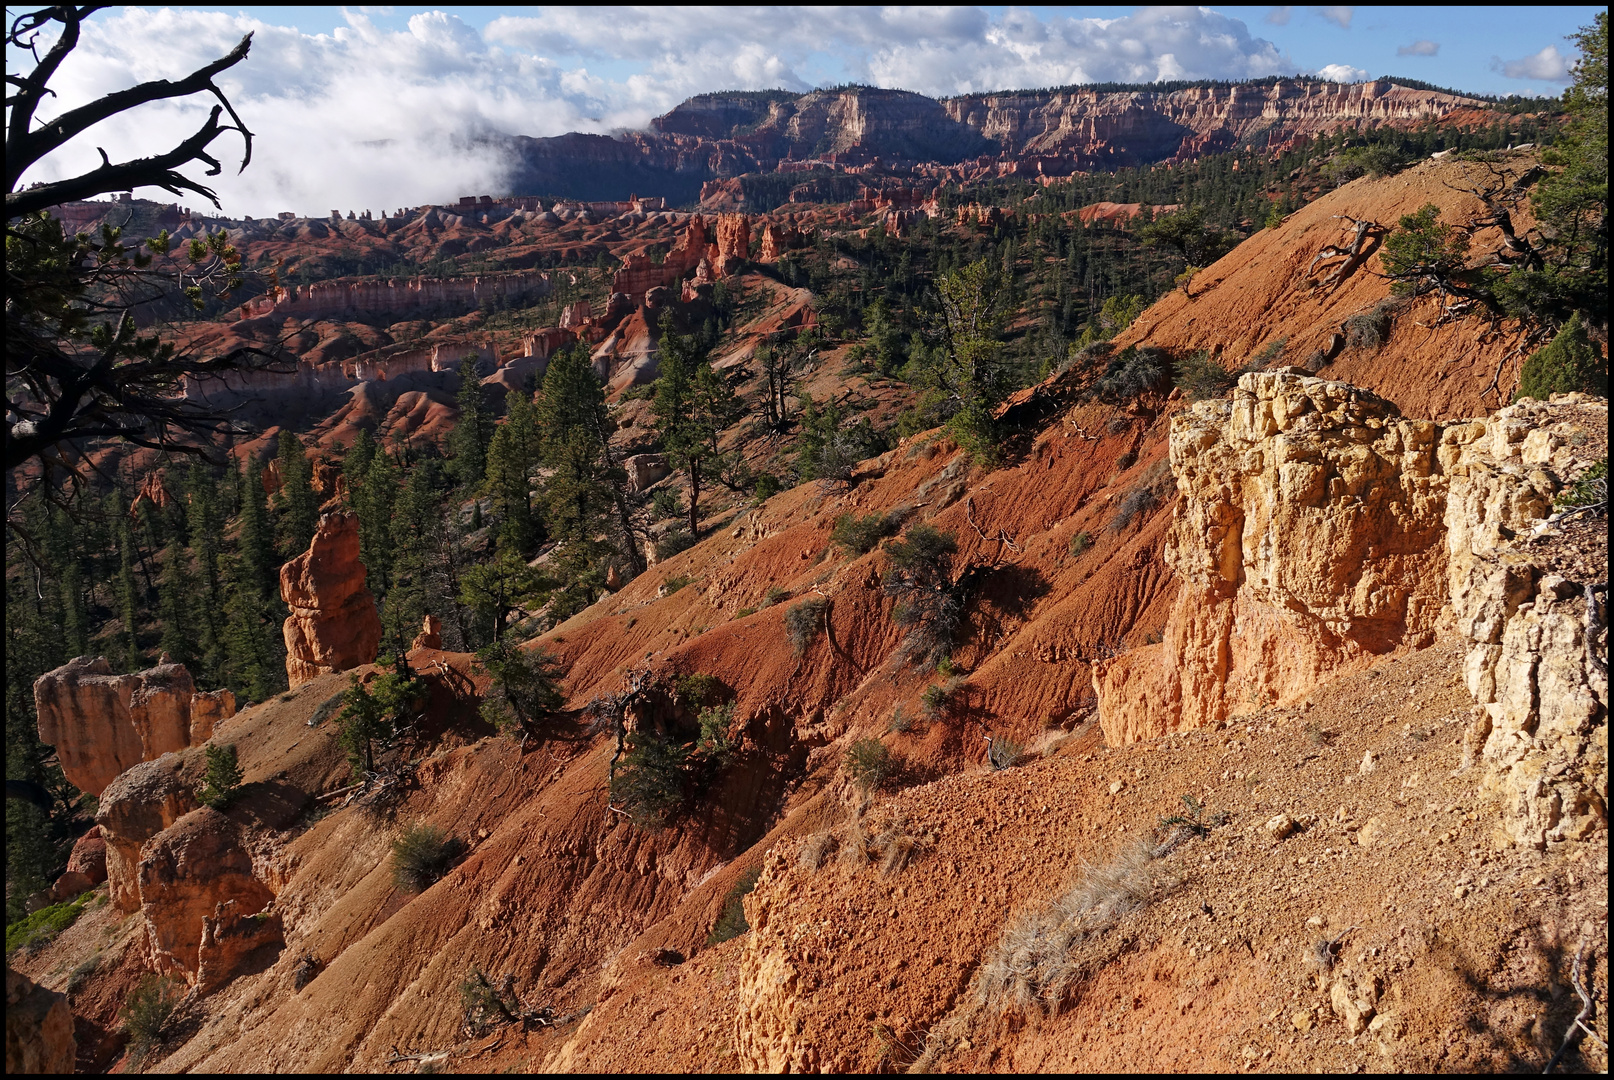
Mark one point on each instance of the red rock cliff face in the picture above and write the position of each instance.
(102, 724)
(333, 624)
(1050, 132)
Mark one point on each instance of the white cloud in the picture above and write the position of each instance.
(1339, 16)
(1419, 48)
(1279, 16)
(1548, 64)
(368, 116)
(1342, 73)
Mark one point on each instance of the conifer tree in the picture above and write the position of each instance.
(175, 605)
(693, 405)
(125, 590)
(512, 457)
(574, 426)
(295, 503)
(373, 502)
(206, 528)
(423, 572)
(468, 442)
(356, 462)
(258, 564)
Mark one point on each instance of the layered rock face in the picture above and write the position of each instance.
(1308, 537)
(1534, 669)
(333, 625)
(102, 724)
(1318, 529)
(39, 1028)
(1050, 132)
(396, 297)
(135, 807)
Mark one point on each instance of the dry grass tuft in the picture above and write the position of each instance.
(816, 850)
(1032, 966)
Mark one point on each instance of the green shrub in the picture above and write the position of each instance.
(1267, 356)
(860, 535)
(774, 595)
(929, 603)
(731, 922)
(1137, 370)
(223, 779)
(422, 855)
(900, 721)
(1589, 489)
(146, 1010)
(700, 689)
(648, 783)
(715, 743)
(1201, 377)
(938, 696)
(1569, 363)
(804, 621)
(675, 541)
(1080, 543)
(327, 708)
(667, 503)
(482, 1005)
(869, 763)
(41, 928)
(767, 486)
(676, 582)
(525, 685)
(744, 612)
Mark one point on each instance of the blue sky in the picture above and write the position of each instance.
(1467, 48)
(374, 108)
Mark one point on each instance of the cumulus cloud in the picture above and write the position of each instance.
(1339, 16)
(1549, 64)
(1280, 16)
(1341, 73)
(1419, 48)
(378, 117)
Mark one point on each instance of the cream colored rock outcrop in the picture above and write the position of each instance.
(1540, 690)
(1307, 540)
(1318, 529)
(102, 724)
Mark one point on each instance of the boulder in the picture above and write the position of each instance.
(102, 724)
(39, 1028)
(135, 807)
(333, 625)
(645, 469)
(86, 866)
(186, 873)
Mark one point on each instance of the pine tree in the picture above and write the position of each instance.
(206, 529)
(693, 404)
(356, 462)
(512, 457)
(258, 564)
(125, 589)
(373, 502)
(468, 442)
(295, 504)
(175, 605)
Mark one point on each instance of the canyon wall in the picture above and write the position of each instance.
(396, 297)
(1046, 132)
(102, 724)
